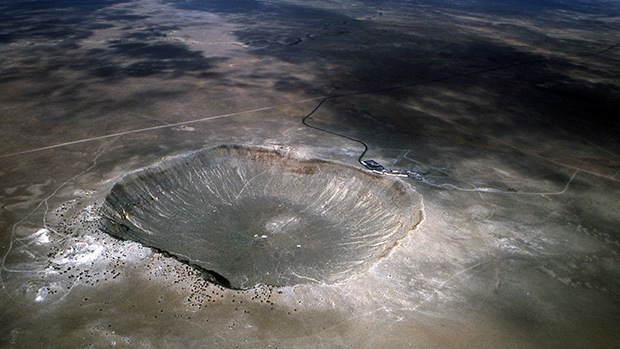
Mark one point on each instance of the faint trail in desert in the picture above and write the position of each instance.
(153, 128)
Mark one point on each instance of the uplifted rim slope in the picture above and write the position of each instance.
(251, 215)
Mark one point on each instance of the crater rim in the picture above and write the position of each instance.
(126, 219)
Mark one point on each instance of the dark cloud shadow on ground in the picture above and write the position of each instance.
(220, 6)
(350, 56)
(503, 7)
(51, 33)
(50, 20)
(522, 93)
(345, 55)
(72, 82)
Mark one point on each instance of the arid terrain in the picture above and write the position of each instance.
(502, 116)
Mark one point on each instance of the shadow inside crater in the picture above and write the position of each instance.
(248, 216)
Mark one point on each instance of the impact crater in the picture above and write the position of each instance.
(248, 215)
